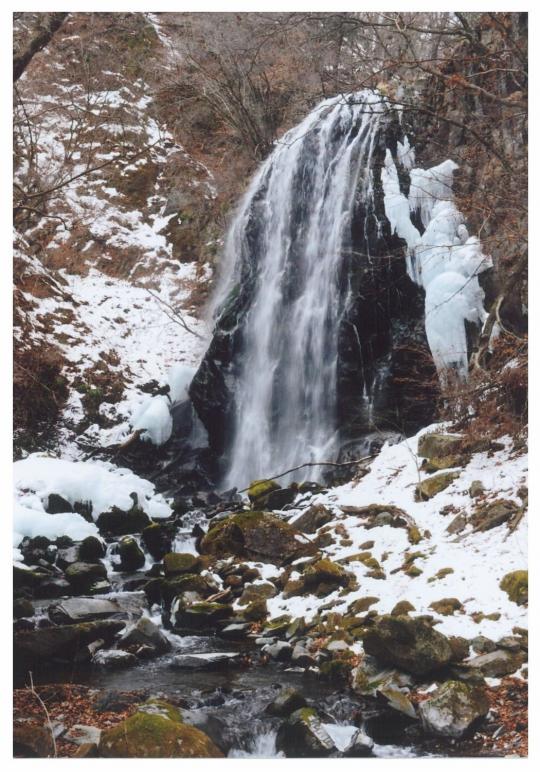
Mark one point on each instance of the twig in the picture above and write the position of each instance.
(38, 698)
(315, 463)
(178, 318)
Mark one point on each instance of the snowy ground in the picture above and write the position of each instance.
(479, 560)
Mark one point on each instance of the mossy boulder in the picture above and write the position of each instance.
(119, 522)
(439, 445)
(402, 608)
(257, 592)
(453, 709)
(131, 555)
(199, 616)
(91, 549)
(83, 576)
(156, 731)
(176, 563)
(437, 464)
(433, 485)
(304, 736)
(407, 643)
(516, 586)
(157, 540)
(256, 536)
(446, 606)
(259, 490)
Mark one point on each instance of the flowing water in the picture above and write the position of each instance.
(290, 237)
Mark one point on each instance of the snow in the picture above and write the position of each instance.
(444, 260)
(179, 377)
(479, 560)
(100, 483)
(154, 417)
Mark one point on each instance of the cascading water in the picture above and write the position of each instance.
(292, 232)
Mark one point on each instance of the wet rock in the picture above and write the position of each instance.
(235, 631)
(200, 616)
(176, 563)
(144, 632)
(52, 587)
(453, 708)
(81, 734)
(67, 556)
(156, 730)
(304, 736)
(114, 659)
(446, 606)
(438, 444)
(208, 661)
(498, 663)
(300, 656)
(433, 485)
(91, 549)
(280, 499)
(64, 641)
(359, 746)
(516, 586)
(32, 741)
(118, 522)
(281, 651)
(116, 702)
(75, 610)
(157, 540)
(411, 644)
(398, 700)
(22, 607)
(287, 702)
(256, 536)
(130, 554)
(257, 611)
(313, 518)
(82, 576)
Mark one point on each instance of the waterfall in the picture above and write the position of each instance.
(290, 239)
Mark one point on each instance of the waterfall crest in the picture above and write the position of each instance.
(289, 239)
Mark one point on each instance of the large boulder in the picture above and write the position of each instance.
(145, 633)
(119, 522)
(64, 641)
(83, 577)
(156, 731)
(304, 736)
(434, 484)
(408, 643)
(74, 610)
(176, 563)
(256, 536)
(200, 616)
(453, 708)
(439, 445)
(157, 540)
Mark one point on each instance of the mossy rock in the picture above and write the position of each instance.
(361, 605)
(82, 576)
(433, 485)
(516, 586)
(157, 540)
(313, 518)
(259, 490)
(407, 643)
(446, 606)
(256, 536)
(176, 563)
(336, 670)
(437, 464)
(319, 578)
(439, 445)
(413, 571)
(402, 607)
(257, 592)
(131, 555)
(257, 611)
(453, 708)
(177, 585)
(278, 625)
(156, 731)
(441, 573)
(201, 615)
(413, 534)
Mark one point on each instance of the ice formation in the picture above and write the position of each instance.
(444, 259)
(154, 419)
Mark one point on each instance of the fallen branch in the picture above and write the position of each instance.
(177, 316)
(315, 463)
(38, 698)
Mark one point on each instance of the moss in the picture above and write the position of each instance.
(413, 534)
(446, 606)
(336, 670)
(402, 607)
(256, 611)
(413, 571)
(433, 485)
(438, 445)
(259, 489)
(181, 563)
(516, 586)
(441, 573)
(156, 731)
(361, 605)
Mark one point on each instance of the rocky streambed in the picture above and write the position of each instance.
(176, 623)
